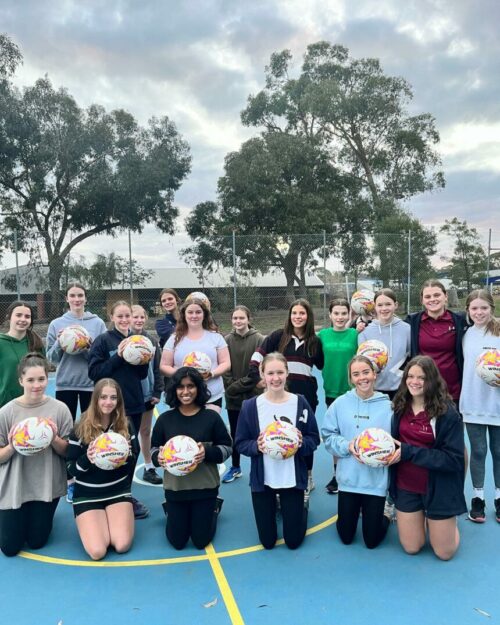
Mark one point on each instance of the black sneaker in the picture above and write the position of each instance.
(332, 488)
(140, 510)
(151, 476)
(497, 509)
(476, 512)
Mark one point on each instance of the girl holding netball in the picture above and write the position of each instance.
(196, 334)
(394, 334)
(427, 481)
(102, 501)
(30, 486)
(19, 340)
(191, 500)
(302, 349)
(73, 384)
(242, 343)
(361, 488)
(340, 343)
(480, 402)
(152, 387)
(106, 361)
(269, 476)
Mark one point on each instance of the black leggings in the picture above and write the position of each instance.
(31, 524)
(195, 519)
(373, 521)
(70, 398)
(293, 512)
(233, 422)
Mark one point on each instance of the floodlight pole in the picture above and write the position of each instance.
(235, 285)
(18, 280)
(409, 274)
(324, 277)
(131, 282)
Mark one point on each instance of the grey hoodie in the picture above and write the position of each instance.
(72, 370)
(396, 337)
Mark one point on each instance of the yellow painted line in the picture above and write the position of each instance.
(162, 561)
(225, 589)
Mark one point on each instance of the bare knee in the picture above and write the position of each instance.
(96, 552)
(412, 550)
(445, 553)
(122, 546)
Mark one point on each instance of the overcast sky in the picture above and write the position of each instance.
(197, 61)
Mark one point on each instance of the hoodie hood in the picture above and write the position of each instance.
(74, 319)
(11, 339)
(251, 332)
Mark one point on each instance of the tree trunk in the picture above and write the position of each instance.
(290, 271)
(56, 266)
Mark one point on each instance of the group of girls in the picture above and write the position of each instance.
(263, 379)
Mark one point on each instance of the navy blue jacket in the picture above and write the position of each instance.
(165, 327)
(444, 460)
(104, 362)
(248, 431)
(460, 327)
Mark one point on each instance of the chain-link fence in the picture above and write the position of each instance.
(264, 273)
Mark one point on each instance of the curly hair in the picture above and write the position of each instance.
(90, 427)
(436, 395)
(181, 328)
(202, 393)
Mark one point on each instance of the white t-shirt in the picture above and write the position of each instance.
(479, 402)
(277, 473)
(208, 344)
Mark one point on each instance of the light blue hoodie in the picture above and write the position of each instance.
(72, 370)
(346, 418)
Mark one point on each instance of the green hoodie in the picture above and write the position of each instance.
(11, 352)
(236, 381)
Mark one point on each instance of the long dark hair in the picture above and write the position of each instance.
(310, 339)
(436, 395)
(35, 342)
(202, 392)
(208, 323)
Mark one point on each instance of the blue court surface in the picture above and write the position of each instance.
(235, 581)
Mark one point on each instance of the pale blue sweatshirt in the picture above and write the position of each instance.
(72, 370)
(344, 420)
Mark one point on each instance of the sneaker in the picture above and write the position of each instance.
(231, 474)
(332, 488)
(497, 509)
(70, 493)
(390, 511)
(151, 476)
(140, 510)
(476, 512)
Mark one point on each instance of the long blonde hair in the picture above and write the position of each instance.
(493, 325)
(90, 427)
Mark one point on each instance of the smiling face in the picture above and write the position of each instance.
(76, 299)
(108, 400)
(274, 373)
(186, 391)
(34, 381)
(480, 312)
(168, 302)
(138, 319)
(363, 377)
(20, 320)
(339, 316)
(240, 321)
(434, 301)
(121, 318)
(298, 317)
(415, 381)
(194, 316)
(385, 307)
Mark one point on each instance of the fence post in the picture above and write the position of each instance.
(235, 285)
(18, 280)
(131, 281)
(324, 277)
(409, 274)
(488, 286)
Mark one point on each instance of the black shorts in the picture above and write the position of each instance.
(407, 501)
(80, 508)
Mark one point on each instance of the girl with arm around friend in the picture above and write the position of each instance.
(102, 501)
(191, 500)
(269, 476)
(361, 488)
(427, 479)
(30, 486)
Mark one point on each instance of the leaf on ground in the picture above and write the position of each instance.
(264, 605)
(210, 604)
(482, 612)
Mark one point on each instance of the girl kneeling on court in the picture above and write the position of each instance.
(427, 484)
(191, 500)
(269, 476)
(361, 488)
(102, 502)
(30, 486)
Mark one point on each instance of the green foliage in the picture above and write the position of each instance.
(468, 263)
(107, 271)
